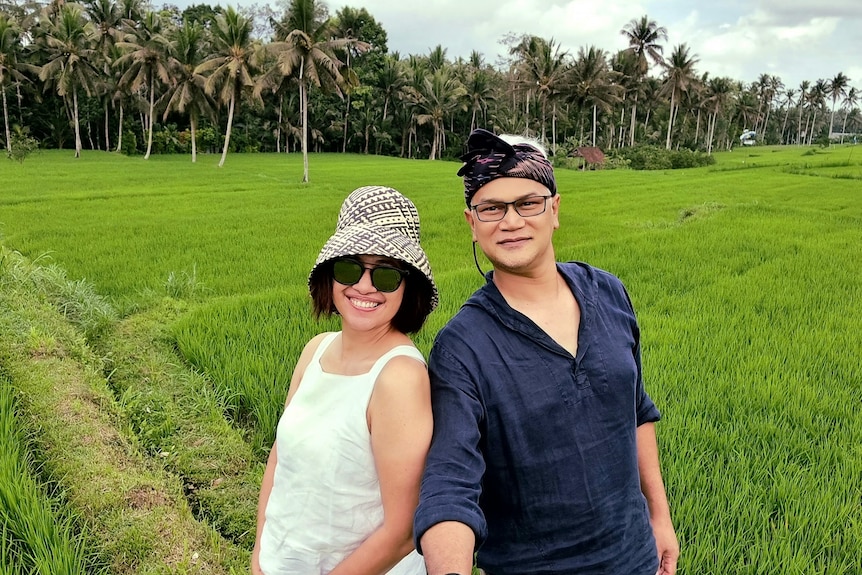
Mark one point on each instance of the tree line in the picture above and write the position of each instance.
(123, 75)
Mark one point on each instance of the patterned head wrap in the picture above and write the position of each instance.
(488, 157)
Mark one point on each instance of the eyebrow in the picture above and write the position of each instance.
(499, 201)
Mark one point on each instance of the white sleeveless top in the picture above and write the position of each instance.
(325, 497)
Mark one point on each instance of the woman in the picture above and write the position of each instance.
(342, 480)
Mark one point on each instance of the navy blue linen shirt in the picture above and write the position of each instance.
(534, 449)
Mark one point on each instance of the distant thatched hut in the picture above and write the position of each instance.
(593, 158)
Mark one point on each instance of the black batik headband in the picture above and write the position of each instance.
(489, 157)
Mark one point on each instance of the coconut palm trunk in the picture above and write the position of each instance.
(229, 126)
(278, 126)
(120, 130)
(671, 118)
(107, 125)
(6, 122)
(152, 113)
(77, 124)
(303, 104)
(193, 121)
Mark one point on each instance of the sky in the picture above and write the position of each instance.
(795, 40)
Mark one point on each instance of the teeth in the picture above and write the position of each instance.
(364, 304)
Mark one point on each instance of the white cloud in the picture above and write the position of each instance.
(794, 39)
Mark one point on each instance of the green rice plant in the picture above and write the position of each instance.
(8, 565)
(37, 534)
(744, 276)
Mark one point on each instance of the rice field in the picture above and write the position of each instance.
(745, 277)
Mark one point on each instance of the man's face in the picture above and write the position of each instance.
(515, 243)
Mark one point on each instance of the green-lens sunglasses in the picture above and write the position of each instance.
(348, 271)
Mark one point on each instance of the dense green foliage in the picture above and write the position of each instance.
(744, 275)
(655, 158)
(142, 78)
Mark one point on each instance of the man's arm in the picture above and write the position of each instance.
(449, 522)
(448, 548)
(652, 487)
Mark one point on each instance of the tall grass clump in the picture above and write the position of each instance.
(38, 536)
(76, 299)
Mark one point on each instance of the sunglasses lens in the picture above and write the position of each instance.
(386, 279)
(346, 272)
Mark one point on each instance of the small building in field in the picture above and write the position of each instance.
(593, 158)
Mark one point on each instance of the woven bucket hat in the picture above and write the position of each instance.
(378, 221)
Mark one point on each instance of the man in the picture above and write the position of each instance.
(544, 456)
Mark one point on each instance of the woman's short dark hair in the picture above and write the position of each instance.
(415, 305)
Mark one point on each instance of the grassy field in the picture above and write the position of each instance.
(745, 276)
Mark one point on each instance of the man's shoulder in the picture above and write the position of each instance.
(584, 274)
(473, 316)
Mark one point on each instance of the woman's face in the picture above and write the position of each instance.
(363, 306)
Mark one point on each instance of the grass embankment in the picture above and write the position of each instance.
(744, 276)
(138, 517)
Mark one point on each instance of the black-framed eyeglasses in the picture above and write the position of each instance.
(525, 207)
(348, 272)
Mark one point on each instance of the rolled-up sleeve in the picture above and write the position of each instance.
(451, 484)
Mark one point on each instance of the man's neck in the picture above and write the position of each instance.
(530, 287)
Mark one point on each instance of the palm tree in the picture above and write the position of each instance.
(146, 62)
(816, 100)
(804, 87)
(69, 47)
(440, 96)
(107, 18)
(390, 80)
(849, 103)
(188, 92)
(231, 68)
(679, 77)
(718, 94)
(306, 49)
(591, 84)
(773, 86)
(788, 101)
(436, 58)
(624, 66)
(746, 109)
(761, 89)
(837, 90)
(12, 67)
(542, 71)
(347, 25)
(480, 90)
(643, 36)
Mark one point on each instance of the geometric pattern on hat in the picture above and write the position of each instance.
(378, 221)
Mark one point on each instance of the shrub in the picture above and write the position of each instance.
(129, 145)
(656, 158)
(22, 144)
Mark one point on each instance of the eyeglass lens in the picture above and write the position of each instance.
(525, 207)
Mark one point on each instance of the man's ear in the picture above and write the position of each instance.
(468, 215)
(555, 210)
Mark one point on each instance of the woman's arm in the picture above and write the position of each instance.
(400, 421)
(269, 474)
